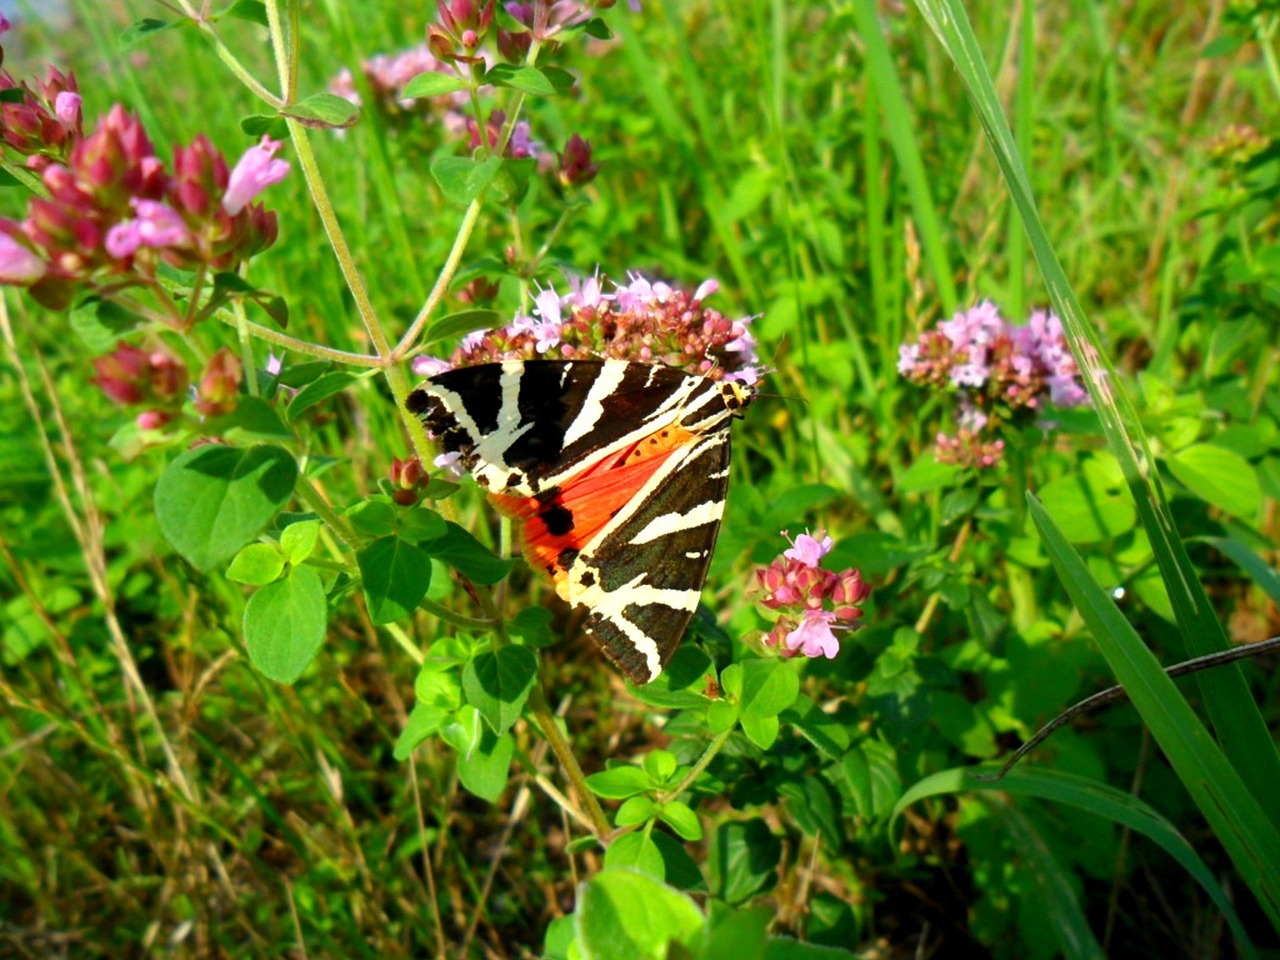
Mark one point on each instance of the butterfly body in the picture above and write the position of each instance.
(617, 471)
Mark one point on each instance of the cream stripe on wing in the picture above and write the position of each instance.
(592, 410)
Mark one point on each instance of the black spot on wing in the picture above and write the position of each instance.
(557, 518)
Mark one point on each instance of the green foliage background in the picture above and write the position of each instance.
(824, 163)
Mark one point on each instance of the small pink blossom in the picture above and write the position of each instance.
(5, 25)
(18, 264)
(814, 637)
(256, 170)
(157, 225)
(425, 366)
(809, 550)
(66, 105)
(448, 462)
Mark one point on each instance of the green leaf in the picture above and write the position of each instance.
(762, 731)
(298, 540)
(253, 420)
(736, 934)
(395, 577)
(421, 523)
(498, 684)
(462, 179)
(251, 10)
(141, 30)
(323, 110)
(213, 500)
(100, 323)
(256, 564)
(1218, 476)
(625, 913)
(460, 324)
(1258, 569)
(284, 624)
(533, 626)
(680, 817)
(925, 475)
(635, 810)
(424, 721)
(637, 851)
(1085, 512)
(744, 857)
(373, 518)
(432, 83)
(299, 375)
(528, 80)
(318, 390)
(785, 948)
(484, 770)
(722, 715)
(261, 124)
(618, 783)
(468, 556)
(1093, 797)
(768, 687)
(660, 765)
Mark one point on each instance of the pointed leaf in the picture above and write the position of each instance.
(498, 684)
(395, 576)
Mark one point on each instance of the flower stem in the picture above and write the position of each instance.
(714, 747)
(560, 747)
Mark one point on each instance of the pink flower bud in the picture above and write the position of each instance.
(123, 374)
(576, 168)
(19, 265)
(168, 376)
(153, 419)
(219, 387)
(255, 171)
(407, 476)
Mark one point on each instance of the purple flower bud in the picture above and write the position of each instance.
(122, 374)
(256, 171)
(809, 550)
(19, 265)
(5, 25)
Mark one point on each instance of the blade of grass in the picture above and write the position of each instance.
(1096, 798)
(1236, 816)
(898, 125)
(1244, 734)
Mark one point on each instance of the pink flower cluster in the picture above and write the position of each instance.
(644, 320)
(389, 73)
(820, 600)
(113, 212)
(1001, 371)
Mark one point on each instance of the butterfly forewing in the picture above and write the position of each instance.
(618, 472)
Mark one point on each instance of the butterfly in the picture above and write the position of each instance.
(617, 471)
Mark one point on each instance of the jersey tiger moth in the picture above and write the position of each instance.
(617, 471)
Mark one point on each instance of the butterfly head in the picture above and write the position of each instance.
(737, 396)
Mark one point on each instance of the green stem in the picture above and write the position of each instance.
(546, 721)
(337, 240)
(302, 346)
(247, 360)
(457, 619)
(400, 637)
(310, 496)
(713, 748)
